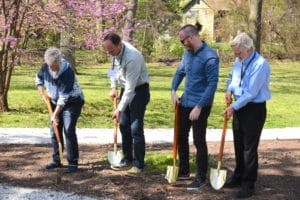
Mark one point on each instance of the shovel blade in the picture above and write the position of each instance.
(172, 174)
(217, 178)
(114, 158)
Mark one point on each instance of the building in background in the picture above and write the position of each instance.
(205, 12)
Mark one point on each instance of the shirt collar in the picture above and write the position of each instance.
(250, 57)
(200, 49)
(118, 57)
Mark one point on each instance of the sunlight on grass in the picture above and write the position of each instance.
(158, 161)
(28, 110)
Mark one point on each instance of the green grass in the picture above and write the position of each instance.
(158, 161)
(28, 110)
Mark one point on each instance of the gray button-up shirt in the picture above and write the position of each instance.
(131, 72)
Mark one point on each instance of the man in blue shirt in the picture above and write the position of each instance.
(249, 84)
(200, 68)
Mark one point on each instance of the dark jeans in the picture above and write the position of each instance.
(247, 125)
(132, 126)
(67, 124)
(199, 136)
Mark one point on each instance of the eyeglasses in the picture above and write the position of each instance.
(183, 40)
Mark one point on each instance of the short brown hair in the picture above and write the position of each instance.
(113, 37)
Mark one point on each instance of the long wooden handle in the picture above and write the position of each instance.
(51, 113)
(223, 136)
(115, 122)
(176, 131)
(56, 131)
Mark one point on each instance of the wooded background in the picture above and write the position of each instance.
(29, 27)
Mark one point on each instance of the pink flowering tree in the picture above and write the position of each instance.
(85, 20)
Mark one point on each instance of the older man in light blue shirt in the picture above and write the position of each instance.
(249, 84)
(254, 83)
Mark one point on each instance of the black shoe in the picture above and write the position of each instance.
(244, 192)
(182, 177)
(196, 184)
(72, 168)
(232, 183)
(53, 165)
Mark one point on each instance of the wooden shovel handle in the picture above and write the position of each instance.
(176, 131)
(56, 132)
(223, 136)
(115, 122)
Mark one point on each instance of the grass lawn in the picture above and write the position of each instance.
(28, 110)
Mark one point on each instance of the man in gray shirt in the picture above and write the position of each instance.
(129, 71)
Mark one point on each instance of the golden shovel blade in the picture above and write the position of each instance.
(114, 158)
(217, 178)
(172, 174)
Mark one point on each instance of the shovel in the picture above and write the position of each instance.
(172, 171)
(56, 132)
(218, 176)
(115, 157)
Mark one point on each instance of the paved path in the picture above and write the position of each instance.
(105, 136)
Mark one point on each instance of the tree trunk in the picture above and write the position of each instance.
(3, 103)
(255, 22)
(67, 52)
(66, 42)
(130, 22)
(8, 50)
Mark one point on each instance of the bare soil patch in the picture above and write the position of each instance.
(23, 165)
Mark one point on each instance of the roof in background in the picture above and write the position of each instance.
(214, 4)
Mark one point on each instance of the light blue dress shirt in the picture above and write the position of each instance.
(249, 81)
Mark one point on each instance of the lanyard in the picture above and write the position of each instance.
(121, 58)
(243, 72)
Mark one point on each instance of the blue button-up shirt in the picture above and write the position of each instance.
(249, 80)
(201, 71)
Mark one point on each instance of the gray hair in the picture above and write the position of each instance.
(243, 41)
(52, 55)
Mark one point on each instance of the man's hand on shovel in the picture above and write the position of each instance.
(54, 120)
(229, 110)
(174, 97)
(116, 115)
